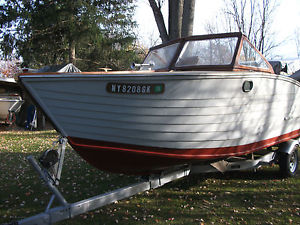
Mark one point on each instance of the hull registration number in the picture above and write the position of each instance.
(139, 89)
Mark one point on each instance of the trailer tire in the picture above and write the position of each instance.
(288, 163)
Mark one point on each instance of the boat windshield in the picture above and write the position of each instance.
(250, 57)
(217, 51)
(160, 58)
(226, 51)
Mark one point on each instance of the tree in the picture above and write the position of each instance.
(180, 20)
(10, 68)
(47, 32)
(297, 41)
(254, 19)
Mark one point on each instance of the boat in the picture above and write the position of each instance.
(194, 100)
(9, 96)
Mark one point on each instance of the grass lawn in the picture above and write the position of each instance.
(231, 198)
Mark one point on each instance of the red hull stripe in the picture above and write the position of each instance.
(204, 153)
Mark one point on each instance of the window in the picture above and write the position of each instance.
(161, 58)
(250, 57)
(217, 51)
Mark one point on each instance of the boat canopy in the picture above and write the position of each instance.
(224, 52)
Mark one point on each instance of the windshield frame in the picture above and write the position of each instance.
(233, 66)
(239, 66)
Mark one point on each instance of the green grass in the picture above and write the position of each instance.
(231, 198)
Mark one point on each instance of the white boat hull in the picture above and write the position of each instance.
(205, 113)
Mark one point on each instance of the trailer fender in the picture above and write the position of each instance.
(287, 147)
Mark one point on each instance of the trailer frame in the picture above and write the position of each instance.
(65, 210)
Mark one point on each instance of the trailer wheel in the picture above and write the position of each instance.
(288, 163)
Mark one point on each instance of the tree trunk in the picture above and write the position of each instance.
(188, 18)
(72, 52)
(159, 21)
(175, 18)
(181, 18)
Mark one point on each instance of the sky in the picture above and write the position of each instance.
(286, 20)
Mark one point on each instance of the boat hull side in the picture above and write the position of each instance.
(143, 160)
(198, 116)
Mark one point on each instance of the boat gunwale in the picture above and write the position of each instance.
(175, 75)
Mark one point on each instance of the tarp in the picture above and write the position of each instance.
(59, 68)
(296, 75)
(288, 66)
(277, 66)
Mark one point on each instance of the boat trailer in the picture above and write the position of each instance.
(50, 166)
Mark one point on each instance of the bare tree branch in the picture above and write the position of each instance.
(156, 8)
(254, 19)
(297, 41)
(181, 18)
